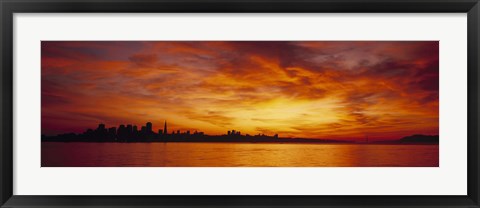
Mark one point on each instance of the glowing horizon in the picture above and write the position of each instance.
(309, 89)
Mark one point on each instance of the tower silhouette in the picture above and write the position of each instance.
(165, 128)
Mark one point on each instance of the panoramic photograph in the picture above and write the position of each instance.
(240, 104)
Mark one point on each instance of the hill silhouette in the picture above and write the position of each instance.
(419, 138)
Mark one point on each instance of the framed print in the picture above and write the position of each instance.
(240, 103)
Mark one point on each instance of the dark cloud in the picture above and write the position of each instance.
(144, 60)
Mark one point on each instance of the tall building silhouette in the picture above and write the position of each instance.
(165, 128)
(129, 129)
(149, 127)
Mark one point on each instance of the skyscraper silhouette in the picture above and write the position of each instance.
(165, 128)
(149, 127)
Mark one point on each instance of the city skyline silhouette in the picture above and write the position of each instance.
(131, 133)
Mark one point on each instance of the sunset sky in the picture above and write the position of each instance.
(314, 89)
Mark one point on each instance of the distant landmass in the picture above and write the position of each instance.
(414, 139)
(418, 138)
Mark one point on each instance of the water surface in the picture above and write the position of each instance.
(82, 154)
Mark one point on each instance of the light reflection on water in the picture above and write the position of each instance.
(58, 154)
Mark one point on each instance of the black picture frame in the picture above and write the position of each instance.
(9, 7)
